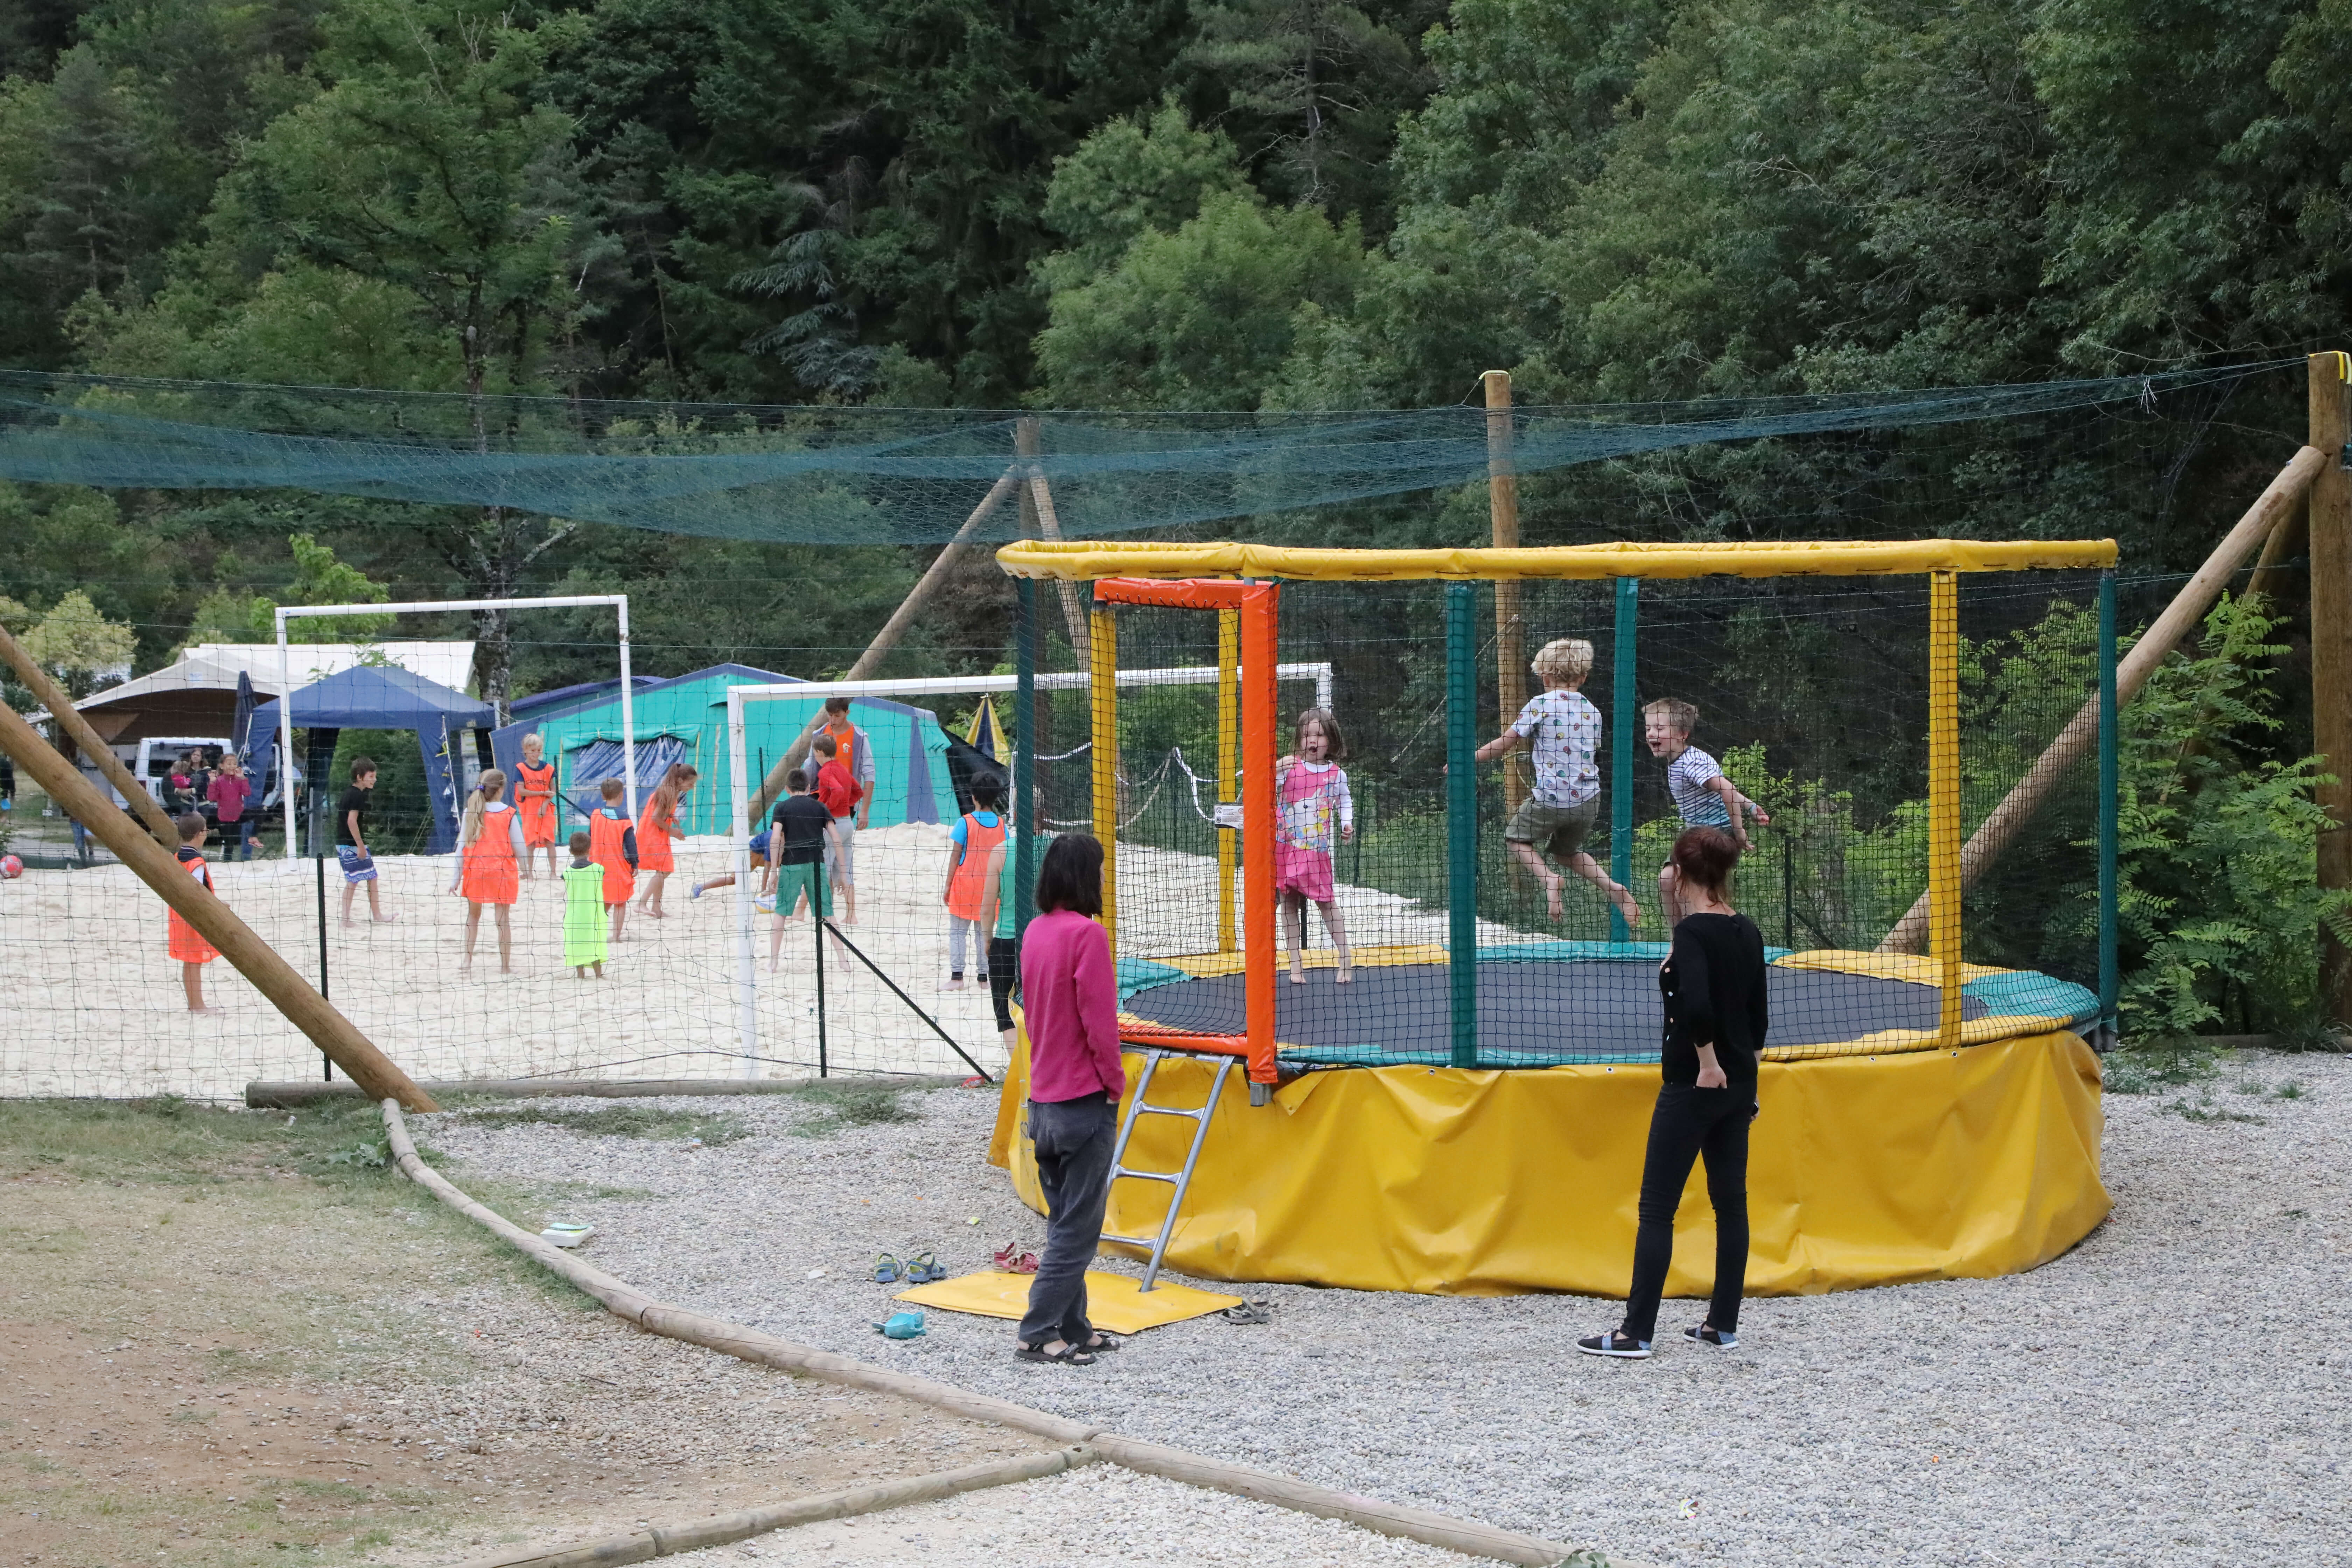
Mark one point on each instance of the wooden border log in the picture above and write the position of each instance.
(61, 709)
(666, 1539)
(887, 638)
(1153, 1458)
(297, 1094)
(2081, 735)
(213, 921)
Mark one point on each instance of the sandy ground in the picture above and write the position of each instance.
(92, 1004)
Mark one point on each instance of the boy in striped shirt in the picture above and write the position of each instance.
(1702, 794)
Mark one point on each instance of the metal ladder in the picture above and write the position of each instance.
(1180, 1180)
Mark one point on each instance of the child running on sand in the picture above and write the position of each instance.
(1564, 728)
(184, 944)
(534, 804)
(583, 911)
(489, 847)
(612, 843)
(803, 833)
(970, 842)
(1311, 790)
(1702, 794)
(656, 828)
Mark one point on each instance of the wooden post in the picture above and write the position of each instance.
(76, 727)
(1511, 623)
(2330, 515)
(1037, 511)
(238, 941)
(886, 639)
(2080, 737)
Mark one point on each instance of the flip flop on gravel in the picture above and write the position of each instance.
(1068, 1355)
(1011, 1260)
(1256, 1311)
(886, 1271)
(922, 1269)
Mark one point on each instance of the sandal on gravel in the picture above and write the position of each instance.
(1614, 1343)
(1258, 1310)
(1102, 1342)
(922, 1269)
(886, 1271)
(1011, 1260)
(1068, 1355)
(1708, 1334)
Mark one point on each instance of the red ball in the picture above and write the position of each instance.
(10, 867)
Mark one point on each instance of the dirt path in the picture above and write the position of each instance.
(217, 1348)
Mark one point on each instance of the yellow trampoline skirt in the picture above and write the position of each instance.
(1935, 1164)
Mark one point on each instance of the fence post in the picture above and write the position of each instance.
(1944, 795)
(1024, 757)
(2110, 784)
(1461, 823)
(1103, 716)
(1625, 714)
(2330, 503)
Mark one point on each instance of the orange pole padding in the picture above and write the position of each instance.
(1191, 593)
(1151, 1036)
(1258, 607)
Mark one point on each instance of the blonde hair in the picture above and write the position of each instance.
(534, 741)
(1679, 715)
(1567, 660)
(488, 788)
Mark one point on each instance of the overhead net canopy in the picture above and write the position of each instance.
(869, 475)
(1812, 695)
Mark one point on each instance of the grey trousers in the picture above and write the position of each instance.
(1073, 1139)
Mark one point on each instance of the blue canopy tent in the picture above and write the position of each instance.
(383, 697)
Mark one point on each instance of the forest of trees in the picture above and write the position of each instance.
(1181, 205)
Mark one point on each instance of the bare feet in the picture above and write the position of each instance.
(1345, 976)
(1551, 895)
(1296, 978)
(1623, 899)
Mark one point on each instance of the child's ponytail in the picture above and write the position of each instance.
(492, 785)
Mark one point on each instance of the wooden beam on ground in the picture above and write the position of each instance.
(886, 639)
(84, 739)
(2330, 524)
(1511, 620)
(2080, 737)
(213, 921)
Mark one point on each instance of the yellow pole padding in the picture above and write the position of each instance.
(1084, 560)
(1229, 746)
(1104, 730)
(1944, 795)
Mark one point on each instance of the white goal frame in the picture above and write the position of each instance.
(420, 606)
(740, 818)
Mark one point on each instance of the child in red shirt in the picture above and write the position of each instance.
(840, 791)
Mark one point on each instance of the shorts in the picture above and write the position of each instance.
(358, 865)
(1558, 830)
(839, 850)
(792, 881)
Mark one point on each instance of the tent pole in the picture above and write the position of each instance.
(628, 719)
(285, 734)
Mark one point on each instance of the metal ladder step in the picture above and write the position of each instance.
(1181, 1180)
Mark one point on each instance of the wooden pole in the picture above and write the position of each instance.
(1038, 509)
(238, 941)
(84, 739)
(1511, 623)
(886, 639)
(2330, 521)
(2080, 737)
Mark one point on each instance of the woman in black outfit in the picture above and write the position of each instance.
(1713, 983)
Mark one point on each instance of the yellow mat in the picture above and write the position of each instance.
(1114, 1301)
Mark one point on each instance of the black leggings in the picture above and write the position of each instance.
(1689, 1124)
(1004, 969)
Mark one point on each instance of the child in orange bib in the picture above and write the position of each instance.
(973, 840)
(656, 827)
(612, 843)
(186, 944)
(488, 850)
(534, 804)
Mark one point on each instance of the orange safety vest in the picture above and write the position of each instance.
(538, 810)
(606, 849)
(844, 742)
(184, 942)
(968, 887)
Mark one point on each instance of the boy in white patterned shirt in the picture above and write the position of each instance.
(1702, 794)
(1564, 728)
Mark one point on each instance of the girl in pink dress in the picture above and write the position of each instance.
(1314, 812)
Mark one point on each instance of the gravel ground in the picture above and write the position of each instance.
(2078, 1414)
(1102, 1516)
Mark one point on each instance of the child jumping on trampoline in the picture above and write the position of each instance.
(1311, 792)
(489, 847)
(184, 944)
(1564, 728)
(1702, 794)
(534, 804)
(584, 911)
(612, 843)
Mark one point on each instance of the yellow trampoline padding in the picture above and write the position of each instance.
(1931, 1165)
(1089, 559)
(1114, 1301)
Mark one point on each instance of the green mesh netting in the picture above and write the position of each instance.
(889, 475)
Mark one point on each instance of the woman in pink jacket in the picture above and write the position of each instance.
(1070, 999)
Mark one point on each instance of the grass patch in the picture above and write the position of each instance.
(2146, 1066)
(172, 1141)
(849, 1103)
(620, 1121)
(2204, 1110)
